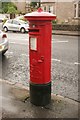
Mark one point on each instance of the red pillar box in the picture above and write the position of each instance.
(40, 32)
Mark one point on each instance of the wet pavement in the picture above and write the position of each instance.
(16, 104)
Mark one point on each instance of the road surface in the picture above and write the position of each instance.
(64, 63)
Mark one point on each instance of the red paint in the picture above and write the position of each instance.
(40, 58)
(40, 10)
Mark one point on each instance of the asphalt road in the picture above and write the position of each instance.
(64, 69)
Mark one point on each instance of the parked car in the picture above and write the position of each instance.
(4, 45)
(16, 25)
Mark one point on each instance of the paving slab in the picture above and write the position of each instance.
(16, 104)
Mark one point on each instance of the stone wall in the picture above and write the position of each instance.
(66, 27)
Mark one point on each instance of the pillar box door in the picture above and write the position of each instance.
(36, 58)
(40, 32)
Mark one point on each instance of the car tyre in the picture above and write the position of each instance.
(22, 30)
(5, 29)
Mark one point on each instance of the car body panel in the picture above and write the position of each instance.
(4, 44)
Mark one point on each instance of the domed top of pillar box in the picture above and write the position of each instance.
(40, 15)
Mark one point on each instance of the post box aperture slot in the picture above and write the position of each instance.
(33, 30)
(33, 43)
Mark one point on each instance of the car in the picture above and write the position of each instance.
(4, 44)
(16, 25)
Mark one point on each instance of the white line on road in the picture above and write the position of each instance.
(59, 41)
(76, 63)
(24, 55)
(19, 43)
(21, 39)
(9, 52)
(56, 60)
(12, 42)
(28, 42)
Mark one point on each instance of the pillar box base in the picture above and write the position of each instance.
(40, 94)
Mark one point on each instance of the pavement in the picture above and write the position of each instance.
(69, 33)
(15, 101)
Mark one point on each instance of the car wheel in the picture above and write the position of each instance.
(22, 30)
(5, 29)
